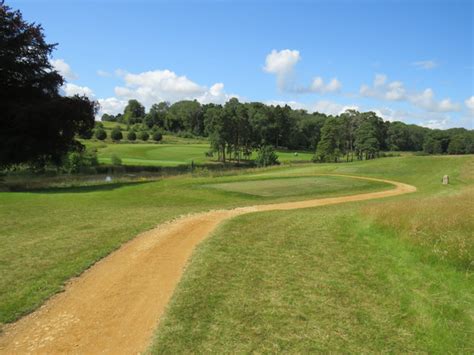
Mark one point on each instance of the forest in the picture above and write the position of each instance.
(235, 129)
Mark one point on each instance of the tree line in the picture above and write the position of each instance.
(235, 129)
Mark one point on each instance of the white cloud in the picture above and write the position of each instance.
(436, 124)
(425, 64)
(111, 105)
(332, 108)
(469, 102)
(73, 89)
(64, 69)
(281, 63)
(293, 104)
(160, 85)
(395, 91)
(103, 73)
(319, 86)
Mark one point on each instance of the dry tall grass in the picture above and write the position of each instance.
(444, 225)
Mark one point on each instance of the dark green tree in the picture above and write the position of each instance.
(116, 134)
(37, 124)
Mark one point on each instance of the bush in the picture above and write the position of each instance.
(132, 136)
(100, 134)
(157, 136)
(266, 156)
(116, 134)
(143, 135)
(82, 161)
(116, 160)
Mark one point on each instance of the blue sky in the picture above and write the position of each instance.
(407, 60)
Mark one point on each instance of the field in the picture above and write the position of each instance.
(382, 275)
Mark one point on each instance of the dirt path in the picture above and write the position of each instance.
(115, 306)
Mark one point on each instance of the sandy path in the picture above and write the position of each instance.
(115, 306)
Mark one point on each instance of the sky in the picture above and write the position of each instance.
(409, 61)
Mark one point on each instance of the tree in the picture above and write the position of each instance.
(143, 135)
(329, 146)
(116, 134)
(132, 136)
(100, 134)
(432, 146)
(366, 142)
(157, 136)
(37, 124)
(134, 112)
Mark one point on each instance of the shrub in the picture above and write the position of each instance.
(266, 156)
(143, 135)
(132, 136)
(116, 134)
(81, 161)
(100, 134)
(157, 136)
(116, 160)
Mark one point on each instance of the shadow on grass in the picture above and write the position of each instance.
(99, 186)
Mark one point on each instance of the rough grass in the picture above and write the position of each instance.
(317, 280)
(50, 235)
(392, 275)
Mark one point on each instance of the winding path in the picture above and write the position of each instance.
(115, 306)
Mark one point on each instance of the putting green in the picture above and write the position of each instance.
(297, 186)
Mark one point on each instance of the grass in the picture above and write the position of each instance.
(50, 235)
(391, 275)
(320, 185)
(173, 151)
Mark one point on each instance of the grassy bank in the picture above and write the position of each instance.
(50, 235)
(380, 276)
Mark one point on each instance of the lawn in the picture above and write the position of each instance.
(390, 275)
(50, 235)
(173, 151)
(302, 186)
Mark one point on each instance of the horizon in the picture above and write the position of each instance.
(406, 61)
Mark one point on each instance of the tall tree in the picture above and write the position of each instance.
(329, 147)
(37, 124)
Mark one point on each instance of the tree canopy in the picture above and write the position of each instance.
(37, 124)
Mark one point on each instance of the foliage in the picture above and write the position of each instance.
(115, 159)
(38, 125)
(266, 156)
(143, 135)
(131, 136)
(100, 134)
(116, 134)
(80, 161)
(157, 136)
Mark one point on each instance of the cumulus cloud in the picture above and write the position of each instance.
(64, 69)
(425, 64)
(70, 89)
(103, 73)
(396, 91)
(469, 102)
(332, 108)
(319, 86)
(281, 63)
(111, 105)
(160, 85)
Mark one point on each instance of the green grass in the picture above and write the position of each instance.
(173, 151)
(303, 186)
(391, 275)
(50, 235)
(374, 276)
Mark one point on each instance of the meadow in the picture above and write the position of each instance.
(382, 275)
(85, 223)
(390, 275)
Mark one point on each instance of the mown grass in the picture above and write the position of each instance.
(390, 275)
(50, 235)
(320, 185)
(173, 151)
